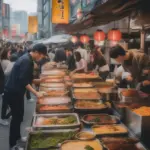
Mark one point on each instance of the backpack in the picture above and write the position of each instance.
(2, 79)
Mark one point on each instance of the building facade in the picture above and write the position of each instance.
(20, 18)
(44, 19)
(6, 20)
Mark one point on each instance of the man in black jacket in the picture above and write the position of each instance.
(18, 82)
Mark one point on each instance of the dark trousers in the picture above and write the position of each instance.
(16, 103)
(5, 107)
(28, 96)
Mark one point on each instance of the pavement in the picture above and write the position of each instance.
(4, 131)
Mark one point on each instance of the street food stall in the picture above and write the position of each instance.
(79, 117)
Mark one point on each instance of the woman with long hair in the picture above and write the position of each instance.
(4, 58)
(100, 64)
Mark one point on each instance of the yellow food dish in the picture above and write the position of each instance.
(81, 145)
(142, 111)
(109, 129)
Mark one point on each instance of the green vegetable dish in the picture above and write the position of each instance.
(44, 140)
(88, 147)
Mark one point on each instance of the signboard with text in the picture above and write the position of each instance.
(32, 24)
(60, 11)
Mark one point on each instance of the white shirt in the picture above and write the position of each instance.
(83, 52)
(4, 64)
(82, 64)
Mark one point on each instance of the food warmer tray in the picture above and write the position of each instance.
(47, 127)
(85, 109)
(136, 123)
(112, 134)
(138, 146)
(55, 100)
(86, 86)
(128, 99)
(81, 90)
(96, 140)
(45, 89)
(49, 133)
(53, 85)
(69, 105)
(114, 118)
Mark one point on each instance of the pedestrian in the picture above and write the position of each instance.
(19, 80)
(4, 64)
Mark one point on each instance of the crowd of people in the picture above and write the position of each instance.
(20, 67)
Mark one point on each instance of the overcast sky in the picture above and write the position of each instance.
(27, 5)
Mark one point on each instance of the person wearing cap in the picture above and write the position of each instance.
(133, 62)
(18, 82)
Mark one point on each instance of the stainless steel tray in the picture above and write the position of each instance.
(50, 89)
(136, 123)
(78, 86)
(53, 85)
(77, 90)
(113, 118)
(111, 134)
(55, 100)
(45, 127)
(49, 133)
(69, 105)
(88, 141)
(90, 109)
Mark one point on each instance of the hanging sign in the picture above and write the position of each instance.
(60, 11)
(32, 24)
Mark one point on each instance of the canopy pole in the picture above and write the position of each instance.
(142, 40)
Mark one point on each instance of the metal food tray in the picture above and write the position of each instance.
(53, 80)
(47, 132)
(75, 90)
(138, 145)
(53, 72)
(88, 141)
(85, 109)
(70, 108)
(51, 89)
(60, 100)
(116, 120)
(138, 124)
(112, 134)
(90, 86)
(53, 85)
(46, 127)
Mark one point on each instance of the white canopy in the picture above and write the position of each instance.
(63, 38)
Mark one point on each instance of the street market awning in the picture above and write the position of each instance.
(112, 10)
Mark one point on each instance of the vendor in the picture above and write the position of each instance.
(100, 64)
(81, 64)
(133, 62)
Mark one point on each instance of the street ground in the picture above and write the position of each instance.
(4, 131)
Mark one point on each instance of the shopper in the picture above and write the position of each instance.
(19, 80)
(81, 64)
(100, 64)
(5, 64)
